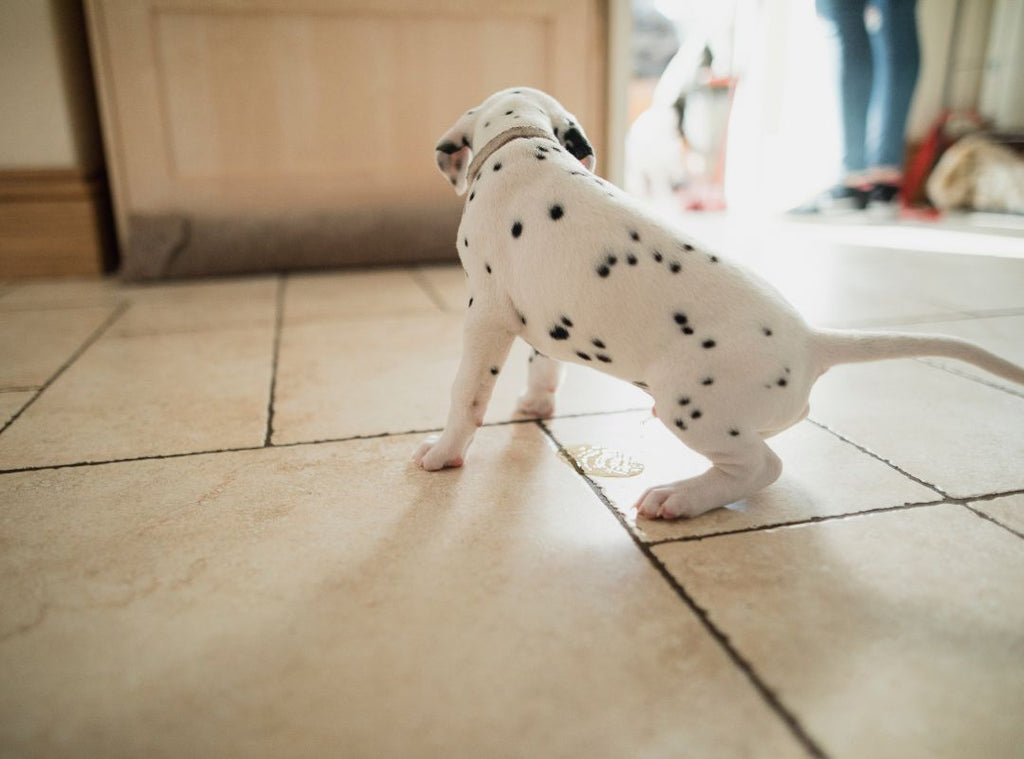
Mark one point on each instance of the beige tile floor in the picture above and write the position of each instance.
(212, 541)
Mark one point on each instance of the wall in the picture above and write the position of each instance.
(45, 87)
(54, 215)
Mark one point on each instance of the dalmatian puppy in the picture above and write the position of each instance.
(575, 267)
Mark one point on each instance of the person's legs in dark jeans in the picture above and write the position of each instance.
(856, 74)
(897, 57)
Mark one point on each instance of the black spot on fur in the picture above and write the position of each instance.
(603, 271)
(696, 414)
(734, 433)
(472, 195)
(714, 259)
(559, 333)
(767, 332)
(582, 355)
(497, 166)
(470, 303)
(631, 259)
(521, 317)
(680, 318)
(517, 229)
(508, 113)
(686, 246)
(556, 212)
(684, 401)
(465, 242)
(680, 424)
(708, 381)
(638, 383)
(675, 267)
(708, 344)
(494, 370)
(566, 321)
(542, 149)
(488, 268)
(687, 330)
(634, 235)
(603, 358)
(540, 156)
(611, 260)
(782, 382)
(597, 343)
(657, 256)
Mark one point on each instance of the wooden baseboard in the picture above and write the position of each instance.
(53, 222)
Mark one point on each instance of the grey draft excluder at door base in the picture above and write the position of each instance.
(170, 246)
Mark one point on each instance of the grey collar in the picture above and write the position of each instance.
(499, 141)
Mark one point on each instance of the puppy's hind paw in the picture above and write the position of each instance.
(537, 405)
(432, 456)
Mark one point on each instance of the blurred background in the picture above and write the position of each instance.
(183, 138)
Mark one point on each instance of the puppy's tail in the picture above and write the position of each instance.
(831, 347)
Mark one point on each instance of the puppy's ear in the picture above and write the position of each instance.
(573, 139)
(455, 152)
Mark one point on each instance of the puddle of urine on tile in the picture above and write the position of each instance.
(598, 461)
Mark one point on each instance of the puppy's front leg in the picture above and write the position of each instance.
(485, 345)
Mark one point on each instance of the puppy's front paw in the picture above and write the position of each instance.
(667, 502)
(433, 455)
(539, 405)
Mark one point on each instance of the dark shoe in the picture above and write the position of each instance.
(884, 201)
(836, 200)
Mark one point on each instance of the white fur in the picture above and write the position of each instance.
(668, 313)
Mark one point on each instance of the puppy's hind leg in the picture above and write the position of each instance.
(485, 345)
(737, 471)
(539, 398)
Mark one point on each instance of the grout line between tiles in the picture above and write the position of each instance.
(282, 281)
(993, 520)
(795, 522)
(875, 456)
(965, 375)
(114, 315)
(425, 284)
(702, 615)
(292, 444)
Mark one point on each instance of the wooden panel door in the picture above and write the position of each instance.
(270, 106)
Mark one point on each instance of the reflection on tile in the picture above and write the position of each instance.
(354, 294)
(888, 635)
(341, 379)
(34, 344)
(146, 396)
(963, 437)
(12, 403)
(822, 476)
(1008, 511)
(840, 284)
(204, 305)
(294, 601)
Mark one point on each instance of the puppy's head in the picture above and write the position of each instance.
(518, 106)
